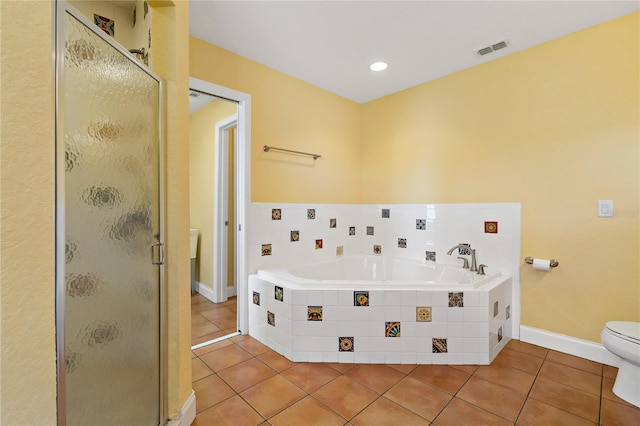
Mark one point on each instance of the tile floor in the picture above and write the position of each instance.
(212, 320)
(240, 381)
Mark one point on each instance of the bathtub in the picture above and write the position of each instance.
(378, 309)
(376, 272)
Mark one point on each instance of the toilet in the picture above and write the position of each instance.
(622, 338)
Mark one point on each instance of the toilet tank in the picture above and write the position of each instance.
(194, 242)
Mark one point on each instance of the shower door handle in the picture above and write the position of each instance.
(157, 254)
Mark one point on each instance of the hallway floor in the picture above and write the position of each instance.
(212, 320)
(240, 381)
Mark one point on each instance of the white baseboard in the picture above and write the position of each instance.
(209, 293)
(231, 291)
(206, 291)
(569, 345)
(187, 413)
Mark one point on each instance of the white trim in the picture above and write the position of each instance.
(243, 191)
(220, 203)
(569, 345)
(231, 291)
(187, 413)
(206, 291)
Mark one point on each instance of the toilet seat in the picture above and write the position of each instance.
(626, 330)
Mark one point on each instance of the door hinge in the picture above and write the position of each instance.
(157, 254)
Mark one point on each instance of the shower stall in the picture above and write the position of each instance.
(109, 230)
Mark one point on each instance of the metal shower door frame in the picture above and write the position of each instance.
(60, 8)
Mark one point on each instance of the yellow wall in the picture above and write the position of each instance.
(555, 127)
(202, 161)
(27, 339)
(289, 113)
(170, 38)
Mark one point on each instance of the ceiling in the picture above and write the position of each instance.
(331, 44)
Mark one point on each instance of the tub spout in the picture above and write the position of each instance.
(474, 265)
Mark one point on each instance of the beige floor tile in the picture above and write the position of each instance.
(527, 348)
(345, 396)
(199, 369)
(246, 374)
(443, 377)
(575, 362)
(520, 360)
(615, 414)
(497, 399)
(386, 412)
(272, 396)
(225, 357)
(574, 401)
(275, 360)
(310, 376)
(512, 378)
(424, 400)
(536, 413)
(378, 377)
(253, 346)
(461, 413)
(231, 412)
(570, 376)
(307, 411)
(210, 391)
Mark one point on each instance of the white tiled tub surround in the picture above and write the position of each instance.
(445, 225)
(467, 332)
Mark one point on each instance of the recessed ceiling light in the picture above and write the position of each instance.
(378, 66)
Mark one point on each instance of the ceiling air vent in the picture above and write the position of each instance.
(194, 94)
(492, 48)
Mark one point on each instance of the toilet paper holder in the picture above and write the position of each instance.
(553, 263)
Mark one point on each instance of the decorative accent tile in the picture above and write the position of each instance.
(318, 244)
(491, 227)
(276, 214)
(421, 224)
(439, 345)
(271, 318)
(256, 298)
(495, 309)
(279, 293)
(314, 313)
(369, 230)
(500, 333)
(352, 230)
(392, 329)
(295, 236)
(508, 312)
(377, 249)
(333, 223)
(423, 313)
(311, 214)
(360, 298)
(464, 251)
(107, 25)
(456, 300)
(430, 255)
(266, 249)
(402, 243)
(345, 344)
(386, 214)
(339, 251)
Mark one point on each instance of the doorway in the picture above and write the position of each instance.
(218, 137)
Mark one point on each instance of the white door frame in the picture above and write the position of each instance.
(243, 187)
(220, 208)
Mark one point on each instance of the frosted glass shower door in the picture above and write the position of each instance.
(109, 287)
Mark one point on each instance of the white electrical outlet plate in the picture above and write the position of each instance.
(605, 208)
